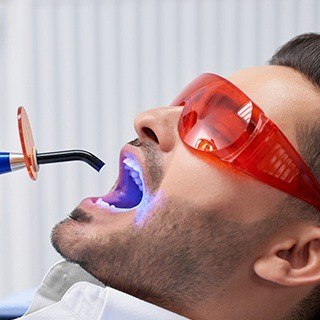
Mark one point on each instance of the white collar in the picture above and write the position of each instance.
(75, 294)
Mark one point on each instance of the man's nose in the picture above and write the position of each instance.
(159, 125)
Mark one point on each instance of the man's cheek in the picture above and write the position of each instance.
(205, 190)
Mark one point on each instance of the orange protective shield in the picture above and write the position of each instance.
(27, 143)
(220, 120)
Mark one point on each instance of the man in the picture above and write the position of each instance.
(187, 234)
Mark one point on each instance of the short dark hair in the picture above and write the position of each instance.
(302, 54)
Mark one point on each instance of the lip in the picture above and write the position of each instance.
(127, 151)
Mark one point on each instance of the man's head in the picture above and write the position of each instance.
(207, 241)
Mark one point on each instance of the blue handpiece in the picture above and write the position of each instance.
(12, 161)
(5, 162)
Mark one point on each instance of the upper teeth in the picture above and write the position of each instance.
(133, 167)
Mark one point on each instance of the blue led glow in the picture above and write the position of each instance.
(143, 210)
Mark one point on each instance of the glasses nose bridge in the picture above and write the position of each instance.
(159, 125)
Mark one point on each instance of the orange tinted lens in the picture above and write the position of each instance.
(216, 115)
(27, 143)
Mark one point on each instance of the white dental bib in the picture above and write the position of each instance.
(68, 292)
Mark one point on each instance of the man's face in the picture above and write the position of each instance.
(198, 219)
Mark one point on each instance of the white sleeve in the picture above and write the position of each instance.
(83, 301)
(121, 306)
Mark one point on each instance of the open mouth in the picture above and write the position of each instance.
(129, 191)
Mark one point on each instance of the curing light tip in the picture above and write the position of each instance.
(71, 155)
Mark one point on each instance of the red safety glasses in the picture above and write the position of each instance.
(219, 119)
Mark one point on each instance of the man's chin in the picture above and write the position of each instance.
(80, 215)
(67, 236)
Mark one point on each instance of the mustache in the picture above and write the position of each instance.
(136, 142)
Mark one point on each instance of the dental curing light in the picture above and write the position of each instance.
(31, 159)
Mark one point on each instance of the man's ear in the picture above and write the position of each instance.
(292, 258)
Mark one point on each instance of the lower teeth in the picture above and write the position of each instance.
(102, 203)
